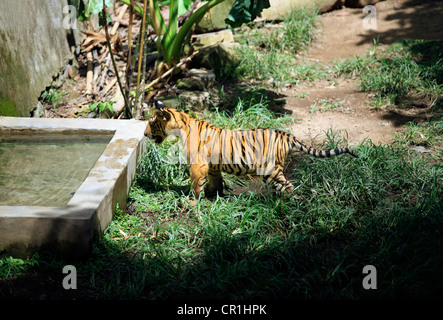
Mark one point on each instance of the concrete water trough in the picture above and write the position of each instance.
(84, 193)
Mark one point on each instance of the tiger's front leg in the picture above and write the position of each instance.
(199, 173)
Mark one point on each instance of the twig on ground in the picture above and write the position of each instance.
(89, 73)
(167, 73)
(105, 70)
(119, 18)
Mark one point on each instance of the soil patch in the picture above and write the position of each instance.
(343, 36)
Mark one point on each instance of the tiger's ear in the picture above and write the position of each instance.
(159, 105)
(160, 110)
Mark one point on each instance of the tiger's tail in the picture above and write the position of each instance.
(297, 144)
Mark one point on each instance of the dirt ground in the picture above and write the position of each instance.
(343, 36)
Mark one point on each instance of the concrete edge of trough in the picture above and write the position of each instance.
(69, 231)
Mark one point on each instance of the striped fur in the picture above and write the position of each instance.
(211, 150)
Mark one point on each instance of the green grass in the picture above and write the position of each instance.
(248, 116)
(271, 56)
(53, 96)
(408, 72)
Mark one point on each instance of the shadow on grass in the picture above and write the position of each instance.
(407, 257)
(236, 91)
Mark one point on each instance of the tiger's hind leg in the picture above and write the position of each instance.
(215, 184)
(278, 180)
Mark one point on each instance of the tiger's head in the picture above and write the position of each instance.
(161, 123)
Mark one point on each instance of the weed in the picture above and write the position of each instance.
(399, 73)
(325, 105)
(271, 57)
(53, 97)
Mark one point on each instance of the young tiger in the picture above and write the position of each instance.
(211, 150)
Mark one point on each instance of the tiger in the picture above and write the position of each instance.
(211, 150)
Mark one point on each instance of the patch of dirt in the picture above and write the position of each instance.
(338, 107)
(343, 36)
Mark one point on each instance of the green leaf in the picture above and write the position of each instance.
(101, 22)
(96, 6)
(93, 106)
(102, 107)
(93, 7)
(172, 29)
(183, 5)
(110, 103)
(177, 45)
(244, 11)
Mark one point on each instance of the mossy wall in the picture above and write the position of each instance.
(35, 45)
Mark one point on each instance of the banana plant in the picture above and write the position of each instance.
(170, 39)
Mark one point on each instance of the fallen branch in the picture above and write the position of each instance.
(105, 70)
(89, 73)
(108, 87)
(167, 73)
(140, 59)
(119, 19)
(128, 74)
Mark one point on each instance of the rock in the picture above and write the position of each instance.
(214, 19)
(222, 58)
(421, 149)
(190, 84)
(38, 111)
(203, 79)
(197, 99)
(170, 101)
(207, 39)
(197, 79)
(359, 3)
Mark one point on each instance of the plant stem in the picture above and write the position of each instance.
(172, 53)
(128, 74)
(140, 57)
(108, 41)
(136, 7)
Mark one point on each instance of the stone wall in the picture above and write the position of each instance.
(34, 47)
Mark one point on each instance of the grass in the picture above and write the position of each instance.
(53, 96)
(271, 56)
(247, 115)
(325, 105)
(401, 74)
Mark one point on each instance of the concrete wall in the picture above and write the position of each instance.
(34, 47)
